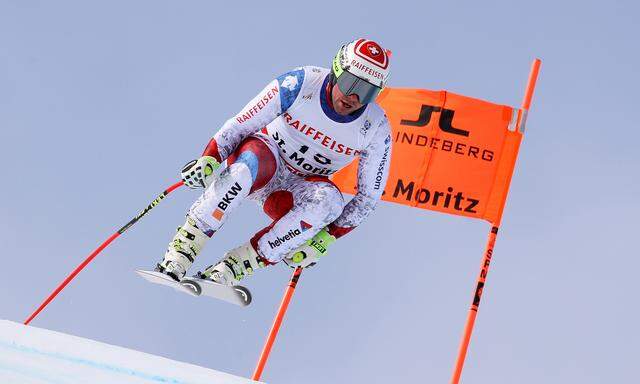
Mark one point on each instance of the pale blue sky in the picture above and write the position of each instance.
(101, 103)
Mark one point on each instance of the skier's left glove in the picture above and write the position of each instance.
(308, 254)
(199, 173)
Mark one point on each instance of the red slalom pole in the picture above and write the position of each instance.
(473, 311)
(491, 241)
(99, 249)
(266, 350)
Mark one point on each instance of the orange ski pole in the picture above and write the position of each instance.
(486, 259)
(264, 356)
(97, 251)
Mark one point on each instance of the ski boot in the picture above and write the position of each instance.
(236, 264)
(182, 250)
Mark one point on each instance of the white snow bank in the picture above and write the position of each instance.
(30, 355)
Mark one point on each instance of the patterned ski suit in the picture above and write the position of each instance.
(280, 150)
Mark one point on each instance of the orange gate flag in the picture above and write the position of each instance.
(450, 153)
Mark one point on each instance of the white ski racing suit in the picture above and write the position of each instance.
(280, 150)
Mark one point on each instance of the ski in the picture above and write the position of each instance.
(194, 286)
(162, 279)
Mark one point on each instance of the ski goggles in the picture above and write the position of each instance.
(350, 84)
(353, 85)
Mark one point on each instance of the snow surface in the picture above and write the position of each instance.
(30, 355)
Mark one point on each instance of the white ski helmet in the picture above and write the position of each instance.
(361, 67)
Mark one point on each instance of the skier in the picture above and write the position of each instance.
(280, 149)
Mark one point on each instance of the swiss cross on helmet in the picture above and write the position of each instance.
(361, 67)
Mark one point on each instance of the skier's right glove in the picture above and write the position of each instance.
(199, 173)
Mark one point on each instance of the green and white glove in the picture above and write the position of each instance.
(199, 173)
(308, 254)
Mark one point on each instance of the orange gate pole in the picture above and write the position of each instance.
(264, 356)
(486, 259)
(473, 311)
